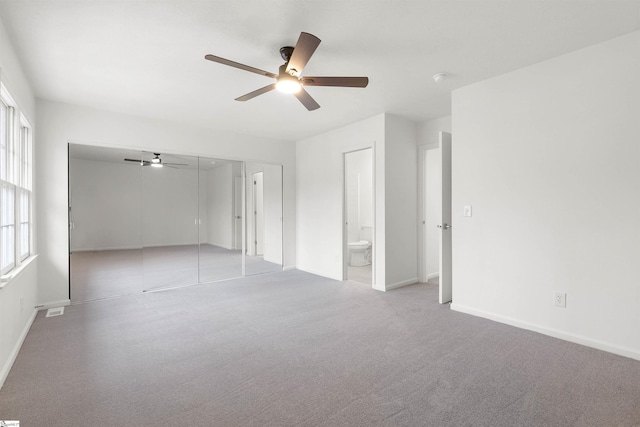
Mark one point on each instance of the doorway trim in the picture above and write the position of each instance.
(422, 214)
(423, 275)
(345, 236)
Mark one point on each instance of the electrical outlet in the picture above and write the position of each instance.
(560, 299)
(467, 210)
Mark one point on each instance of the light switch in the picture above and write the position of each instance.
(467, 210)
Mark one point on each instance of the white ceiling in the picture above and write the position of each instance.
(146, 57)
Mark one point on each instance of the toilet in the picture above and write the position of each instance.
(359, 253)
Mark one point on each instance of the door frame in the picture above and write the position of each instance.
(422, 235)
(446, 242)
(345, 235)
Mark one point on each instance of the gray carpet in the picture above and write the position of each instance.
(293, 349)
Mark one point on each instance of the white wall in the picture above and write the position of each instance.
(429, 131)
(401, 206)
(272, 192)
(18, 297)
(106, 205)
(17, 312)
(320, 189)
(62, 123)
(319, 197)
(549, 158)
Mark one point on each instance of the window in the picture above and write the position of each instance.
(15, 185)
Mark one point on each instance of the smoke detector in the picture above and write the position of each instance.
(439, 77)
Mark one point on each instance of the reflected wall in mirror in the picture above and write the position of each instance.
(147, 220)
(105, 220)
(220, 219)
(169, 220)
(263, 201)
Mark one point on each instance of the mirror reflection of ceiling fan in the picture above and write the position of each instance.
(289, 79)
(155, 162)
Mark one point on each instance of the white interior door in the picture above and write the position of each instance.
(445, 225)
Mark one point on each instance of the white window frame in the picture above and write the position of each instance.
(17, 176)
(25, 178)
(7, 231)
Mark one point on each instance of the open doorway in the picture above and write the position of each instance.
(358, 214)
(432, 212)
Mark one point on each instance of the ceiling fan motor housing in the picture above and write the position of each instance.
(286, 52)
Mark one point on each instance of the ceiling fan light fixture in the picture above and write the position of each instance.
(156, 165)
(288, 85)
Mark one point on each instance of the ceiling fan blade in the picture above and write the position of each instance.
(240, 66)
(336, 81)
(306, 99)
(175, 164)
(304, 48)
(136, 160)
(255, 93)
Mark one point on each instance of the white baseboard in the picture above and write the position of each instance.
(16, 349)
(432, 276)
(288, 267)
(397, 285)
(567, 336)
(53, 304)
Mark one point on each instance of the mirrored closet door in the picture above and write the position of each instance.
(220, 219)
(169, 220)
(105, 222)
(143, 221)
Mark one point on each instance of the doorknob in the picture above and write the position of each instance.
(444, 226)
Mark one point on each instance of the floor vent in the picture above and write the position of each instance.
(58, 311)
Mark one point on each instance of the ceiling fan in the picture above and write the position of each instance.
(155, 162)
(289, 79)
